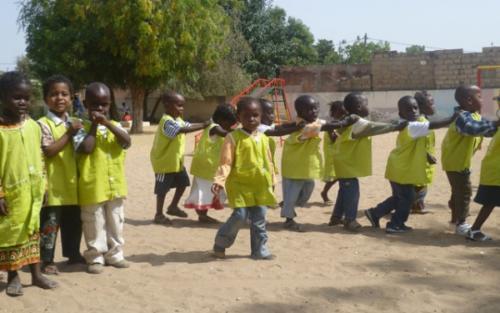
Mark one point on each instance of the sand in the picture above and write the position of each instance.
(325, 269)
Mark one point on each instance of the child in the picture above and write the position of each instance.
(167, 156)
(246, 171)
(426, 107)
(337, 112)
(22, 185)
(61, 209)
(102, 186)
(205, 162)
(461, 141)
(489, 186)
(302, 161)
(407, 167)
(353, 159)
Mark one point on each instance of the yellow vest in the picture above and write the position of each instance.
(207, 155)
(490, 166)
(61, 170)
(23, 182)
(102, 172)
(167, 154)
(407, 163)
(352, 157)
(250, 180)
(328, 147)
(430, 146)
(301, 158)
(457, 149)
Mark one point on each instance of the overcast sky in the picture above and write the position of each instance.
(446, 24)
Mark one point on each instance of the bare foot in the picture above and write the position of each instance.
(43, 282)
(325, 198)
(50, 269)
(14, 287)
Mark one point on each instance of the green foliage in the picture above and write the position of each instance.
(361, 51)
(415, 49)
(327, 53)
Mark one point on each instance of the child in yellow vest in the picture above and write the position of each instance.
(337, 112)
(488, 193)
(22, 185)
(426, 107)
(352, 159)
(407, 167)
(205, 162)
(247, 173)
(102, 186)
(61, 210)
(167, 156)
(463, 138)
(302, 161)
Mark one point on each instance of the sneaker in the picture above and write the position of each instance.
(293, 226)
(334, 221)
(407, 228)
(219, 254)
(95, 268)
(462, 229)
(392, 229)
(268, 257)
(477, 235)
(352, 226)
(121, 264)
(175, 211)
(371, 217)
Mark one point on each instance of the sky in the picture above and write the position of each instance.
(436, 24)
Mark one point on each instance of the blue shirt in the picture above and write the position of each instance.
(468, 126)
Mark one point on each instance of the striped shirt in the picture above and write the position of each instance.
(466, 125)
(171, 128)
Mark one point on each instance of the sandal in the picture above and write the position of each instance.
(50, 269)
(162, 220)
(477, 235)
(175, 211)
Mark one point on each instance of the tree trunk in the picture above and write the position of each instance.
(145, 106)
(137, 94)
(113, 110)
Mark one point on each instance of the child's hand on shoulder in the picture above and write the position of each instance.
(216, 189)
(351, 119)
(99, 118)
(74, 127)
(401, 125)
(4, 211)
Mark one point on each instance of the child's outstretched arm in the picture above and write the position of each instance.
(445, 122)
(194, 127)
(346, 122)
(284, 129)
(218, 131)
(58, 145)
(467, 125)
(369, 128)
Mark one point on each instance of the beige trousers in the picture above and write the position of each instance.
(102, 226)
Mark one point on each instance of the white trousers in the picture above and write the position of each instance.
(102, 226)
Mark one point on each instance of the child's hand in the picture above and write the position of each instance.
(207, 123)
(351, 119)
(216, 188)
(4, 211)
(401, 125)
(75, 126)
(99, 118)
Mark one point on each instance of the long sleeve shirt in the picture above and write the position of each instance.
(467, 125)
(365, 128)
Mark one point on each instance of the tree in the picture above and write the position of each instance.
(326, 52)
(415, 49)
(361, 51)
(134, 44)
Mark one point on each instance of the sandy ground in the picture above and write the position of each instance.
(325, 269)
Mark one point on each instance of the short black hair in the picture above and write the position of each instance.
(264, 101)
(336, 105)
(352, 100)
(421, 97)
(404, 101)
(9, 81)
(302, 101)
(55, 79)
(170, 96)
(224, 112)
(463, 92)
(245, 102)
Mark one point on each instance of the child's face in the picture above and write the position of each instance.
(226, 125)
(59, 98)
(409, 111)
(309, 111)
(175, 107)
(474, 102)
(267, 113)
(337, 113)
(17, 101)
(250, 117)
(98, 103)
(363, 107)
(428, 108)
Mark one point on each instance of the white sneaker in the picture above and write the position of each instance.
(462, 229)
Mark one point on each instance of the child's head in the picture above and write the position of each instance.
(249, 113)
(97, 98)
(425, 103)
(225, 116)
(408, 108)
(173, 103)
(337, 110)
(15, 94)
(469, 98)
(267, 111)
(356, 103)
(307, 108)
(57, 93)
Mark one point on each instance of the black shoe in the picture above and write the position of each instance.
(391, 229)
(407, 228)
(371, 217)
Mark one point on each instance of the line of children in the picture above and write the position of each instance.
(167, 156)
(409, 165)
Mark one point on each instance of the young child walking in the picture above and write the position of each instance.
(407, 167)
(247, 173)
(61, 209)
(352, 159)
(302, 161)
(462, 140)
(426, 107)
(102, 186)
(167, 156)
(337, 112)
(205, 162)
(22, 185)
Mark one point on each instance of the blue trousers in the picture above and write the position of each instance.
(258, 235)
(401, 201)
(296, 192)
(347, 199)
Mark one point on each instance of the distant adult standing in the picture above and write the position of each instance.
(78, 109)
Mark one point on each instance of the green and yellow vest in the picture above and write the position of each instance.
(302, 159)
(490, 166)
(167, 154)
(352, 157)
(207, 155)
(328, 147)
